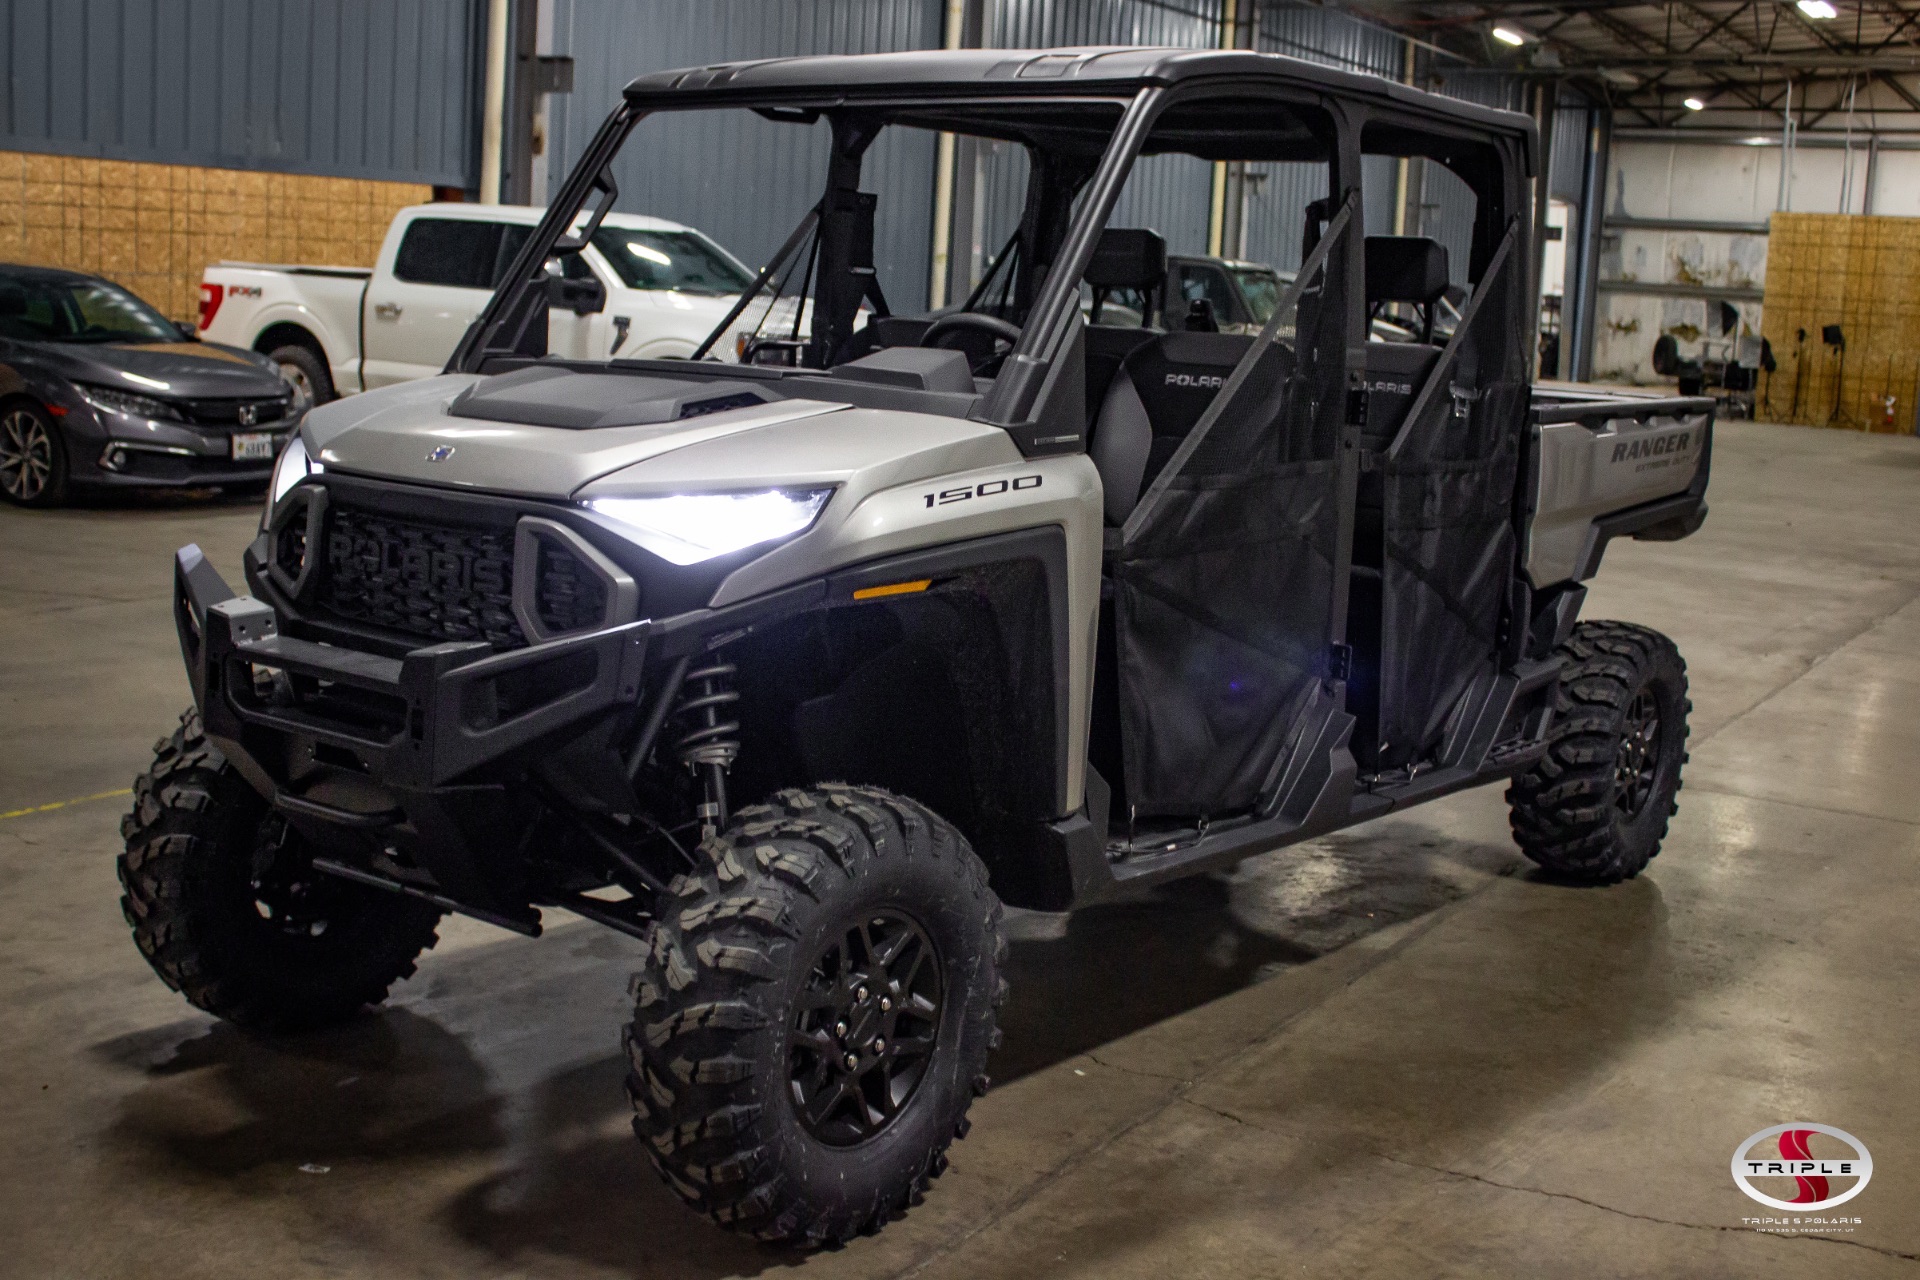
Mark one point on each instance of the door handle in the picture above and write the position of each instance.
(387, 310)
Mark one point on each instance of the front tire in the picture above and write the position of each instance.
(1595, 808)
(815, 1015)
(225, 909)
(33, 457)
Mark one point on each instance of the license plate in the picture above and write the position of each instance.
(250, 446)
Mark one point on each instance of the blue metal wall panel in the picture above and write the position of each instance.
(353, 88)
(744, 180)
(1330, 37)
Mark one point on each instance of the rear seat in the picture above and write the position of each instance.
(1410, 269)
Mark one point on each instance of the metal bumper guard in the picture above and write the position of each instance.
(448, 715)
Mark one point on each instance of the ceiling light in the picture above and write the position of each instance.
(1694, 104)
(1507, 35)
(1818, 9)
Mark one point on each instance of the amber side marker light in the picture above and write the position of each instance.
(893, 589)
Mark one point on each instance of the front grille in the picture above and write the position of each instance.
(440, 582)
(242, 414)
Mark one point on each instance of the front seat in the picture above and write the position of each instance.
(1156, 398)
(1410, 269)
(1131, 258)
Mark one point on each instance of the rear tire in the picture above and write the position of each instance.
(305, 371)
(224, 908)
(1595, 808)
(815, 1015)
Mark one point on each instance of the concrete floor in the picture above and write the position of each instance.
(1393, 1052)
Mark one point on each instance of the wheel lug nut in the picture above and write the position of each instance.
(886, 1004)
(840, 1030)
(879, 1046)
(860, 995)
(853, 1061)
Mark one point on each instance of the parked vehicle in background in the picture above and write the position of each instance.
(1241, 295)
(642, 288)
(97, 388)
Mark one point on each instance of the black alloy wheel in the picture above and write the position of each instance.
(33, 465)
(866, 1030)
(1636, 761)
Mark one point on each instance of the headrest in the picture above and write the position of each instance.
(1405, 269)
(1128, 258)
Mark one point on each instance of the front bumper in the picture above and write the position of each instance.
(125, 451)
(414, 723)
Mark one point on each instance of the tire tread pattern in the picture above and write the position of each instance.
(181, 816)
(710, 958)
(1562, 810)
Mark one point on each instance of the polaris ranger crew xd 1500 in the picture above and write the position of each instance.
(796, 668)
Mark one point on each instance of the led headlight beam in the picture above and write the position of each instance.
(293, 467)
(686, 528)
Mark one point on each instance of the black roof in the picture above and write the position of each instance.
(44, 275)
(1118, 70)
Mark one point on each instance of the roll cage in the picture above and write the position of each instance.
(1084, 117)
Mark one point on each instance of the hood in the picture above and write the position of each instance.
(508, 435)
(172, 370)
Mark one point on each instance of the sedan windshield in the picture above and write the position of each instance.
(682, 260)
(77, 311)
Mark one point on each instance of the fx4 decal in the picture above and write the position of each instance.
(985, 489)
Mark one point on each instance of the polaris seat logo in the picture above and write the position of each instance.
(1209, 381)
(1631, 450)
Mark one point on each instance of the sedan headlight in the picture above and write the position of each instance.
(293, 466)
(686, 528)
(115, 400)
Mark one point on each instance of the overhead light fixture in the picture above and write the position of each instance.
(1694, 104)
(1818, 9)
(1507, 35)
(1759, 142)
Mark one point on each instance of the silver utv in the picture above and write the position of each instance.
(794, 661)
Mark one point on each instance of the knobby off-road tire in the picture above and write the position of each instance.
(224, 909)
(1594, 809)
(751, 1022)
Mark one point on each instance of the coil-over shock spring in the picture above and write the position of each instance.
(709, 747)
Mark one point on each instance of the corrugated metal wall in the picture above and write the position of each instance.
(351, 88)
(744, 180)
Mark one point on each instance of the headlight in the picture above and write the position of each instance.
(117, 401)
(686, 528)
(293, 467)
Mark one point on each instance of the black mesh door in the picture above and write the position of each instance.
(1223, 574)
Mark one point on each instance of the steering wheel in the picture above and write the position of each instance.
(985, 340)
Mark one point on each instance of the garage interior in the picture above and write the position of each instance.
(1395, 1051)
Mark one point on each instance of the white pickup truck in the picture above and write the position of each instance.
(337, 330)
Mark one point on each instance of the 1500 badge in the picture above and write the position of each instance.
(985, 489)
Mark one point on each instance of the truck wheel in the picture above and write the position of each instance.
(1594, 809)
(224, 908)
(815, 1014)
(305, 372)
